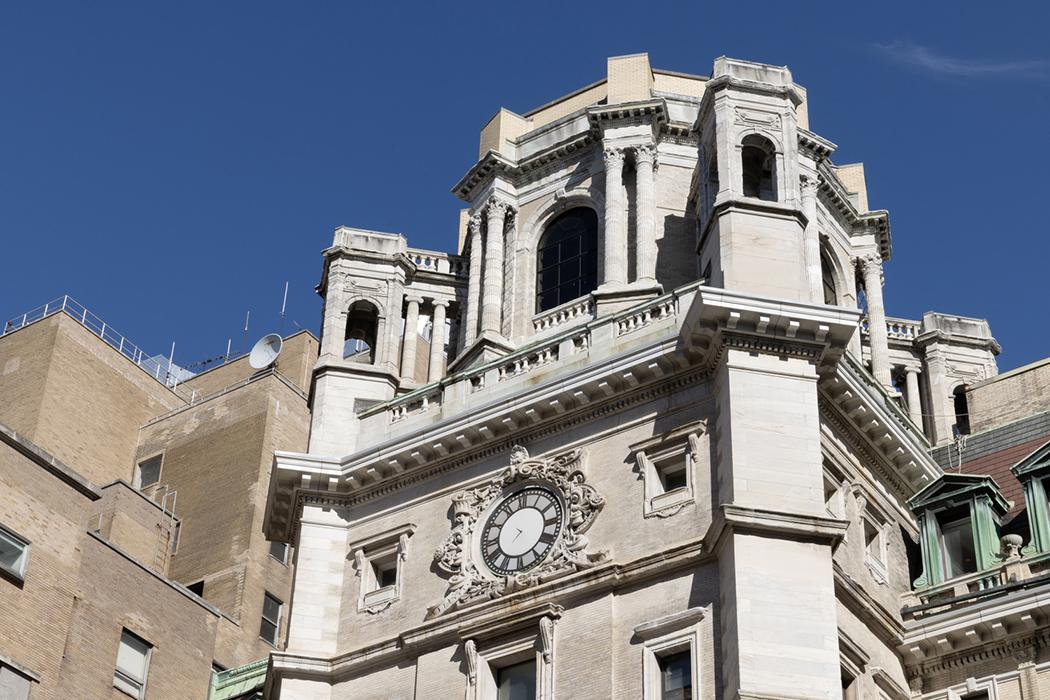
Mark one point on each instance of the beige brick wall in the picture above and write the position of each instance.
(296, 363)
(1008, 397)
(90, 400)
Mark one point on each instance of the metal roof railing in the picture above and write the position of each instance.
(160, 369)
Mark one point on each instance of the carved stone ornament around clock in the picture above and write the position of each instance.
(523, 528)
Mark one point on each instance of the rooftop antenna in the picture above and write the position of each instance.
(244, 337)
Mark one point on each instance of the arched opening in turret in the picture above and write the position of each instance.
(362, 325)
(962, 410)
(758, 161)
(567, 258)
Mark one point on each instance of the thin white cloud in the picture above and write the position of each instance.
(923, 58)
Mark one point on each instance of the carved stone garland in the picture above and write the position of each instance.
(470, 582)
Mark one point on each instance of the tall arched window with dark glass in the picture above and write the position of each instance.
(567, 259)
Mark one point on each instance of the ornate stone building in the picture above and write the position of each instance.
(651, 434)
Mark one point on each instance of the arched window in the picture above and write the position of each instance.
(827, 278)
(362, 321)
(758, 158)
(567, 258)
(962, 411)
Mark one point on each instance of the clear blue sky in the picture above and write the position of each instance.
(172, 165)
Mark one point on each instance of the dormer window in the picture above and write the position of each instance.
(957, 548)
(959, 517)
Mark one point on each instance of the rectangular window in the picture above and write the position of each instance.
(147, 472)
(385, 571)
(957, 547)
(132, 665)
(673, 472)
(676, 675)
(517, 682)
(279, 551)
(14, 553)
(270, 625)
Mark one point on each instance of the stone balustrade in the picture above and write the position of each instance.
(559, 346)
(432, 261)
(896, 328)
(575, 311)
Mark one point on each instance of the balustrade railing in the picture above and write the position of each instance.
(434, 261)
(896, 328)
(578, 310)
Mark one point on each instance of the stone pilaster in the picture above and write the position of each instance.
(473, 281)
(911, 385)
(645, 215)
(871, 268)
(437, 341)
(408, 352)
(333, 334)
(615, 243)
(492, 294)
(811, 239)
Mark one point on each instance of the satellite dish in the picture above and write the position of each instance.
(264, 353)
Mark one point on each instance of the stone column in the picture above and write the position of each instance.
(437, 341)
(645, 215)
(333, 333)
(811, 239)
(492, 295)
(871, 267)
(408, 352)
(911, 385)
(615, 244)
(473, 281)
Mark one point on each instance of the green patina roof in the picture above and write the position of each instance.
(241, 683)
(1034, 463)
(953, 489)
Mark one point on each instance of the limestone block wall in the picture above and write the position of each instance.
(621, 527)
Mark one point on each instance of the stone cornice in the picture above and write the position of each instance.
(939, 337)
(876, 428)
(731, 518)
(875, 223)
(519, 171)
(883, 623)
(814, 146)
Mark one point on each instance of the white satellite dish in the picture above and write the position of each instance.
(264, 353)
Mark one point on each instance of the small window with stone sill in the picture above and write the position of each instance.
(270, 624)
(279, 551)
(132, 668)
(670, 656)
(512, 666)
(378, 562)
(147, 472)
(14, 554)
(667, 465)
(875, 526)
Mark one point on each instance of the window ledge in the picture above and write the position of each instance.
(668, 623)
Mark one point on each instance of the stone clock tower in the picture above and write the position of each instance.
(645, 435)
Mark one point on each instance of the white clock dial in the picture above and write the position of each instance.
(521, 530)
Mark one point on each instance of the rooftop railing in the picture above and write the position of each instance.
(160, 369)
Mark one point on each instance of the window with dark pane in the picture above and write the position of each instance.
(567, 259)
(271, 619)
(517, 682)
(676, 676)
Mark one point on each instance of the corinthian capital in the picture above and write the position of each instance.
(474, 225)
(498, 206)
(645, 154)
(613, 158)
(809, 186)
(870, 264)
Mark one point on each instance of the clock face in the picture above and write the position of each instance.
(521, 530)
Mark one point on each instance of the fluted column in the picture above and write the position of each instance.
(811, 240)
(408, 353)
(473, 280)
(645, 215)
(615, 248)
(871, 267)
(437, 341)
(911, 385)
(492, 294)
